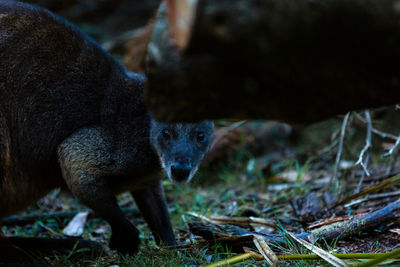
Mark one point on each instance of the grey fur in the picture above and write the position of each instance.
(182, 147)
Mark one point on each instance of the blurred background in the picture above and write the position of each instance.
(254, 168)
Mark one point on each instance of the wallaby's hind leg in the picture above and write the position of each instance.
(152, 205)
(85, 162)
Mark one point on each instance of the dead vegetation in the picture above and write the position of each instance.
(276, 192)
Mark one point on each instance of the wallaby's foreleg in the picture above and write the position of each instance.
(85, 163)
(151, 203)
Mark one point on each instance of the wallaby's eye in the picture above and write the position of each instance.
(166, 134)
(201, 136)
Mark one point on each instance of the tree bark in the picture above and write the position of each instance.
(290, 60)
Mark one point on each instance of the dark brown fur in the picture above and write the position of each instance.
(72, 117)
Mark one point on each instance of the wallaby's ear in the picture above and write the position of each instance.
(136, 76)
(208, 124)
(153, 122)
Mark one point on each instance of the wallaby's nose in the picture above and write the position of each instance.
(180, 172)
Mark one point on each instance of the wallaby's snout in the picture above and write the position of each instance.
(181, 147)
(181, 167)
(180, 172)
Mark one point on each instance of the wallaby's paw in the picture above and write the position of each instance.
(125, 240)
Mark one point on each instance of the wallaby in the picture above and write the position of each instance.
(71, 116)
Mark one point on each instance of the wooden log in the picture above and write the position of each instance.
(356, 226)
(24, 249)
(289, 60)
(343, 230)
(61, 215)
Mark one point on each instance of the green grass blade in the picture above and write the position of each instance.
(391, 255)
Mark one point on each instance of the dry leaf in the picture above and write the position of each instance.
(76, 225)
(397, 231)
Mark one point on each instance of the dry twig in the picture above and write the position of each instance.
(228, 129)
(382, 185)
(265, 250)
(393, 148)
(393, 155)
(334, 179)
(360, 160)
(358, 188)
(383, 135)
(333, 220)
(372, 197)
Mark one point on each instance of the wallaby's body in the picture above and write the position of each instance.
(72, 117)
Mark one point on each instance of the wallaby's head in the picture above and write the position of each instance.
(180, 147)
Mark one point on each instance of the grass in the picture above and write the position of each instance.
(148, 256)
(235, 188)
(197, 197)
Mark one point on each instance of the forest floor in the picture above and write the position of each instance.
(286, 186)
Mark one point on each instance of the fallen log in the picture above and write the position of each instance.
(60, 215)
(25, 249)
(342, 230)
(350, 228)
(295, 61)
